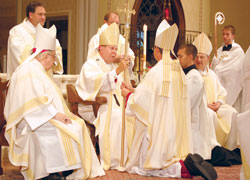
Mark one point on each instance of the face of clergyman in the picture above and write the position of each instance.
(228, 37)
(108, 53)
(201, 61)
(39, 16)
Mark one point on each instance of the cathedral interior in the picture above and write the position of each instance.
(78, 20)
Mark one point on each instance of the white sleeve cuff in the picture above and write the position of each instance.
(40, 116)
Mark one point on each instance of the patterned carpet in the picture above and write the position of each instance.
(224, 173)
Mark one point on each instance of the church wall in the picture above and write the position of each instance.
(236, 13)
(7, 21)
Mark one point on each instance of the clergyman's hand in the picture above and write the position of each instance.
(126, 88)
(63, 118)
(124, 63)
(214, 106)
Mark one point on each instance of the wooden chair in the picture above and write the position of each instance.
(3, 141)
(74, 99)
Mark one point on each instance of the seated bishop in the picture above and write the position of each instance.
(44, 137)
(222, 114)
(100, 76)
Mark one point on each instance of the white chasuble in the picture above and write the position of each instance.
(203, 132)
(228, 67)
(224, 119)
(99, 79)
(50, 146)
(20, 45)
(160, 125)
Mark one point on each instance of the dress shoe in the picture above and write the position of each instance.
(197, 166)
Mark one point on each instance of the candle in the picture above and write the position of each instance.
(145, 28)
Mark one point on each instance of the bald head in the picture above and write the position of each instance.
(111, 17)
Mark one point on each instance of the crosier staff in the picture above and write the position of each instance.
(126, 74)
(220, 18)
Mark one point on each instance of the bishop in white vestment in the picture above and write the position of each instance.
(44, 136)
(158, 124)
(101, 77)
(21, 40)
(222, 114)
(228, 66)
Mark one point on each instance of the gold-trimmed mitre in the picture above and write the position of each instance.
(166, 36)
(110, 36)
(203, 44)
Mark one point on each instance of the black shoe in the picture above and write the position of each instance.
(66, 173)
(224, 157)
(198, 167)
(55, 176)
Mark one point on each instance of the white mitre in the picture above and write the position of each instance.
(45, 38)
(166, 36)
(165, 39)
(158, 37)
(110, 36)
(203, 44)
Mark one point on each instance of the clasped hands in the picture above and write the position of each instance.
(126, 88)
(214, 106)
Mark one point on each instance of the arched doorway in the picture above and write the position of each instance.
(151, 13)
